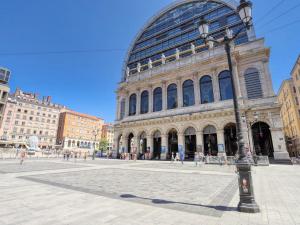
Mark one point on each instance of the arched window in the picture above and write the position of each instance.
(157, 99)
(188, 93)
(206, 90)
(225, 85)
(122, 109)
(144, 102)
(253, 84)
(172, 96)
(132, 105)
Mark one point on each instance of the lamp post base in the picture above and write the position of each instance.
(248, 207)
(247, 202)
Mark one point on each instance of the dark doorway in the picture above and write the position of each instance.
(231, 146)
(262, 139)
(143, 145)
(130, 137)
(156, 148)
(172, 143)
(210, 141)
(190, 143)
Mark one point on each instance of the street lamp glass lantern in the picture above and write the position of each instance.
(245, 11)
(203, 28)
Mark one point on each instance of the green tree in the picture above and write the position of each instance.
(103, 145)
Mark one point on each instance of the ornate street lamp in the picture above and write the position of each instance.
(247, 201)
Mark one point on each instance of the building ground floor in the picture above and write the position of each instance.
(212, 133)
(79, 144)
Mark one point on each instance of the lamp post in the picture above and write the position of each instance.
(95, 132)
(247, 202)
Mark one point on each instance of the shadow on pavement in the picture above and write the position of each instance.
(161, 202)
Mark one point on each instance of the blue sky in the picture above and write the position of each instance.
(86, 81)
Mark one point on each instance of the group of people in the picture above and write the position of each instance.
(75, 155)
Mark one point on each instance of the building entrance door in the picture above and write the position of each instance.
(210, 141)
(156, 148)
(172, 143)
(190, 143)
(262, 139)
(231, 146)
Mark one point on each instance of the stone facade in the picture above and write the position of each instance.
(26, 115)
(108, 134)
(78, 131)
(4, 91)
(289, 96)
(156, 128)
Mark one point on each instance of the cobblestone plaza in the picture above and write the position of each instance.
(128, 192)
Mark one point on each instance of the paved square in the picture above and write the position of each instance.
(114, 192)
(15, 167)
(197, 193)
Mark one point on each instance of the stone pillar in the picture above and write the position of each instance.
(150, 145)
(197, 90)
(164, 147)
(150, 99)
(181, 142)
(116, 147)
(266, 80)
(221, 141)
(199, 141)
(127, 105)
(216, 87)
(138, 102)
(280, 150)
(164, 96)
(236, 80)
(118, 108)
(125, 144)
(179, 93)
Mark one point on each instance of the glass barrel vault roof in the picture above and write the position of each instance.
(177, 28)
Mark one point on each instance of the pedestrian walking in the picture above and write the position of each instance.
(172, 157)
(23, 155)
(85, 156)
(197, 158)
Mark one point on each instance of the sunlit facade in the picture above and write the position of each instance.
(176, 92)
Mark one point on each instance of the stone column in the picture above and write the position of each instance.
(280, 150)
(116, 147)
(118, 108)
(138, 102)
(199, 141)
(150, 145)
(181, 142)
(125, 144)
(150, 99)
(236, 80)
(127, 105)
(164, 96)
(197, 90)
(266, 81)
(164, 147)
(216, 87)
(179, 93)
(221, 141)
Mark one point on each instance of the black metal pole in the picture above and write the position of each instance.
(247, 201)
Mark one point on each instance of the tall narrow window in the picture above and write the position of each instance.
(144, 102)
(157, 99)
(206, 90)
(253, 84)
(122, 110)
(132, 105)
(225, 85)
(172, 96)
(188, 93)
